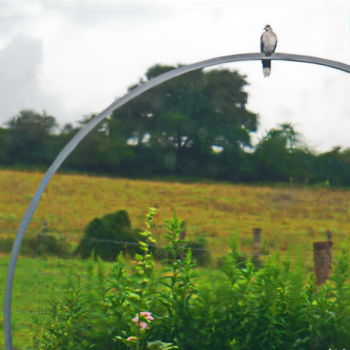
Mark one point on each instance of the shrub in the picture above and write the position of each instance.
(48, 244)
(42, 244)
(106, 237)
(6, 244)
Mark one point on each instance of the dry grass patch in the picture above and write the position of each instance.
(291, 219)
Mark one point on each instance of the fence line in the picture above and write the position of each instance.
(48, 230)
(126, 242)
(256, 251)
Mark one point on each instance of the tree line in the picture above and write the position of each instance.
(194, 126)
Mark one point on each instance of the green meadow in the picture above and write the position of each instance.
(38, 282)
(291, 219)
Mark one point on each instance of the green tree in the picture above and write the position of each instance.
(29, 138)
(98, 152)
(333, 166)
(179, 122)
(4, 139)
(281, 156)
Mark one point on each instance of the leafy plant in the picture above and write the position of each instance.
(141, 306)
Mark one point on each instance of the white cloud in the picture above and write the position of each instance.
(93, 50)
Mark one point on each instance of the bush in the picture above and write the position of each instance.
(42, 244)
(49, 244)
(6, 244)
(106, 237)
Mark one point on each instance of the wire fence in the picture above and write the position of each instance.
(102, 240)
(254, 251)
(251, 248)
(42, 277)
(252, 244)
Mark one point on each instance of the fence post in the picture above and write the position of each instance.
(256, 243)
(322, 261)
(329, 236)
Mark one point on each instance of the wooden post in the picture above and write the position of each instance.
(329, 236)
(182, 237)
(322, 261)
(256, 243)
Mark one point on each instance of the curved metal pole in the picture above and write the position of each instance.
(71, 145)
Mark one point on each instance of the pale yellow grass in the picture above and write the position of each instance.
(289, 218)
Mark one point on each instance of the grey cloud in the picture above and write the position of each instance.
(20, 85)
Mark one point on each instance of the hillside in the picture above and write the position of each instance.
(290, 218)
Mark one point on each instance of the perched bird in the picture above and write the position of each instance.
(268, 43)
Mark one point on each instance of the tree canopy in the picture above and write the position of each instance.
(28, 140)
(196, 125)
(181, 121)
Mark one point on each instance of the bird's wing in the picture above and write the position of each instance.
(262, 43)
(275, 36)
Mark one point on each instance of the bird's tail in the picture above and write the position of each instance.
(266, 67)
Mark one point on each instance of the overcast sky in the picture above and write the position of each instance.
(74, 57)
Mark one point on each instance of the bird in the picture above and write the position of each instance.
(268, 43)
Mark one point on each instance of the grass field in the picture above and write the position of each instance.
(291, 219)
(37, 283)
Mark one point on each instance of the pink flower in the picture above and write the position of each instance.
(132, 339)
(144, 325)
(147, 315)
(141, 317)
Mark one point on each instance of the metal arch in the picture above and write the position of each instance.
(71, 145)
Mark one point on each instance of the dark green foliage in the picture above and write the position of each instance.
(200, 251)
(65, 334)
(29, 138)
(48, 244)
(6, 244)
(42, 244)
(106, 237)
(199, 247)
(194, 126)
(4, 146)
(281, 157)
(274, 307)
(178, 123)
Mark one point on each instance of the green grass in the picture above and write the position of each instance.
(291, 219)
(37, 283)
